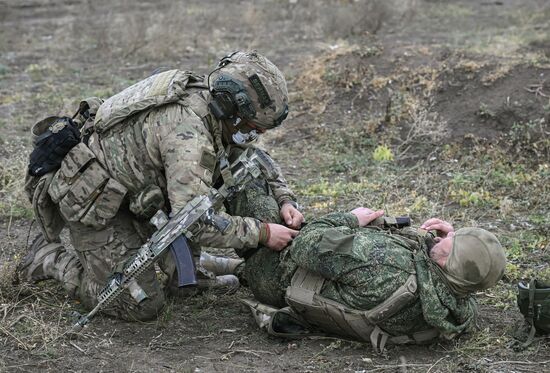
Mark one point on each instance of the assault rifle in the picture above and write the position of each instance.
(173, 233)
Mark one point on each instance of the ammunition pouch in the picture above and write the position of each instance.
(45, 210)
(84, 190)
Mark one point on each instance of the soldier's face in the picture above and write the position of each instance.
(241, 132)
(441, 250)
(247, 126)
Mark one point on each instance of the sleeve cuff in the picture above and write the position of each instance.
(289, 201)
(352, 220)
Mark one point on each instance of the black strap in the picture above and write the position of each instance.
(531, 314)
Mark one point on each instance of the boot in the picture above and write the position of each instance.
(218, 264)
(46, 261)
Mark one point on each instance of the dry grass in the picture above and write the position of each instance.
(343, 82)
(13, 201)
(313, 85)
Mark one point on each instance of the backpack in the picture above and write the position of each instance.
(534, 303)
(155, 91)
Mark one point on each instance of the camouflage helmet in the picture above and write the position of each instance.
(249, 86)
(476, 262)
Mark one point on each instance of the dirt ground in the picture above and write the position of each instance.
(421, 107)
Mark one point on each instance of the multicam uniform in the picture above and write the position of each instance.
(359, 268)
(171, 149)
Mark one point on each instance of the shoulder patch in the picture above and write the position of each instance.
(208, 160)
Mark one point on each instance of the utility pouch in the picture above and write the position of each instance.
(45, 210)
(84, 190)
(534, 304)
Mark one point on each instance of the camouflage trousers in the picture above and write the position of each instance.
(103, 252)
(262, 271)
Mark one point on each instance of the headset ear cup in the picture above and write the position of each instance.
(223, 106)
(231, 98)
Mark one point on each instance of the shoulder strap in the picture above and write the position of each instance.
(530, 314)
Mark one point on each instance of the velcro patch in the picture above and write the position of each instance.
(258, 86)
(208, 160)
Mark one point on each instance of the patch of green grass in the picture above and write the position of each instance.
(468, 198)
(485, 112)
(41, 71)
(335, 189)
(382, 153)
(4, 69)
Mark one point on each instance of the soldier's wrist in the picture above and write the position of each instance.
(290, 202)
(265, 234)
(352, 220)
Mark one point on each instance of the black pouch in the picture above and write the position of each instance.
(534, 303)
(53, 138)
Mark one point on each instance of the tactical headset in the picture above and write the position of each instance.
(231, 98)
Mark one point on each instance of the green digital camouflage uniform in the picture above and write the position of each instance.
(170, 147)
(362, 266)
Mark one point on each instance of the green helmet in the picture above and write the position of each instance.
(248, 86)
(534, 304)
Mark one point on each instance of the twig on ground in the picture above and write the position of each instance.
(8, 234)
(378, 368)
(295, 139)
(17, 319)
(22, 344)
(34, 364)
(256, 353)
(437, 362)
(403, 364)
(536, 89)
(77, 347)
(521, 362)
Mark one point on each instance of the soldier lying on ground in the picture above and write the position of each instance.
(347, 275)
(155, 145)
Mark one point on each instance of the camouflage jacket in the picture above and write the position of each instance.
(173, 148)
(364, 266)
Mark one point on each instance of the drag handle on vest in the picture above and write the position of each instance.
(184, 262)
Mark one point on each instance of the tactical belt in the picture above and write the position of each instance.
(303, 296)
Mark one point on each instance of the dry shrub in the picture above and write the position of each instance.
(7, 277)
(344, 18)
(500, 71)
(469, 66)
(425, 127)
(312, 85)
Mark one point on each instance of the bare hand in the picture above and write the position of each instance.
(291, 216)
(442, 227)
(280, 236)
(366, 215)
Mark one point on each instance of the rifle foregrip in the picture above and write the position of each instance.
(184, 262)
